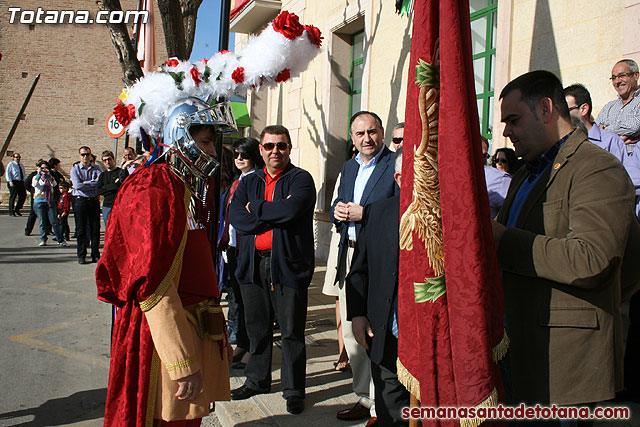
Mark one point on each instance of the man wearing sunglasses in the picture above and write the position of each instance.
(364, 179)
(622, 115)
(397, 136)
(273, 210)
(84, 176)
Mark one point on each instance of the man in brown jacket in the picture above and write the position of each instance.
(561, 236)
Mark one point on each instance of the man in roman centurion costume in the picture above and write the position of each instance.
(170, 354)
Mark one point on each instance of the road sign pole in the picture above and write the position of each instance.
(115, 148)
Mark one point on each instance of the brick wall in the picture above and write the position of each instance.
(80, 80)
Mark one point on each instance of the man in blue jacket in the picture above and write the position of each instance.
(273, 211)
(364, 179)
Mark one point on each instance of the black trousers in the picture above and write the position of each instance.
(88, 214)
(262, 301)
(235, 319)
(632, 351)
(391, 396)
(17, 190)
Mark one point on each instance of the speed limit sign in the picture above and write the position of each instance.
(114, 127)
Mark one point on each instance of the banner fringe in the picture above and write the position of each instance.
(500, 350)
(407, 380)
(491, 401)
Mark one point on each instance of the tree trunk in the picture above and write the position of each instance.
(173, 27)
(121, 40)
(189, 17)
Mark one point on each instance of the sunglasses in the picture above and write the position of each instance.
(241, 155)
(85, 154)
(269, 146)
(397, 140)
(501, 161)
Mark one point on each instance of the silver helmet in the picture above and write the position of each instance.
(183, 156)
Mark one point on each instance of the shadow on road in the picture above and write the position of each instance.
(80, 406)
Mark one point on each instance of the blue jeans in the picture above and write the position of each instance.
(105, 214)
(43, 210)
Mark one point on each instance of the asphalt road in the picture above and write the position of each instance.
(54, 334)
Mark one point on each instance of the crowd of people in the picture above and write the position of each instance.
(54, 196)
(564, 203)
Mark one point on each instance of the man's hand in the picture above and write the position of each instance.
(498, 231)
(189, 387)
(628, 139)
(361, 328)
(346, 212)
(341, 211)
(10, 183)
(355, 212)
(247, 207)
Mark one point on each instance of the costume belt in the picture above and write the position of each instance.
(208, 320)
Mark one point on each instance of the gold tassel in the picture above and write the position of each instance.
(407, 380)
(491, 401)
(501, 349)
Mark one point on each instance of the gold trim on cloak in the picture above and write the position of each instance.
(154, 375)
(150, 302)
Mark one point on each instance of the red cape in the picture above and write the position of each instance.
(144, 240)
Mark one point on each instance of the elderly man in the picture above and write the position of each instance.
(364, 179)
(397, 136)
(580, 107)
(560, 236)
(273, 210)
(85, 176)
(15, 176)
(372, 303)
(622, 115)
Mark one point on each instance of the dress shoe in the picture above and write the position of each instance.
(18, 213)
(244, 392)
(373, 422)
(82, 261)
(356, 412)
(95, 258)
(295, 405)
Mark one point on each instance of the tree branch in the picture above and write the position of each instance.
(121, 40)
(173, 27)
(189, 17)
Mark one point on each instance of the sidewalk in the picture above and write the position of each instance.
(327, 392)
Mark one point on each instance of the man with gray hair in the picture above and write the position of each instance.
(397, 137)
(372, 301)
(622, 115)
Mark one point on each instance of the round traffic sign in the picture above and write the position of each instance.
(114, 127)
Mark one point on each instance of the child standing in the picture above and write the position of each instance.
(64, 206)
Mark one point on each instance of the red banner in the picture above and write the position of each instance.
(450, 308)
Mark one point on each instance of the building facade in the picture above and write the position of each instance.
(365, 63)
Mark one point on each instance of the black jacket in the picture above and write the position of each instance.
(289, 215)
(108, 187)
(372, 283)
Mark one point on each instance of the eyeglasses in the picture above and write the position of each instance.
(243, 156)
(107, 159)
(269, 146)
(501, 161)
(397, 140)
(620, 76)
(575, 107)
(85, 154)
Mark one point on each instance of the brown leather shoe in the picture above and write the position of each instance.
(356, 412)
(373, 422)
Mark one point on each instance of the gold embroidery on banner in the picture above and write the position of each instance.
(424, 214)
(409, 382)
(489, 402)
(154, 374)
(150, 302)
(179, 365)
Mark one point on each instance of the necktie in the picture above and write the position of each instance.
(20, 171)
